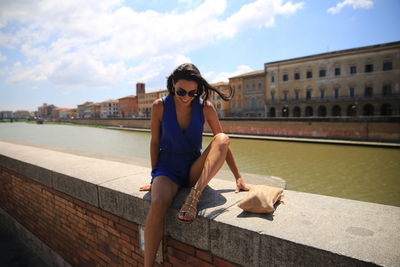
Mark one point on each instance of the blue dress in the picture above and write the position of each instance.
(179, 149)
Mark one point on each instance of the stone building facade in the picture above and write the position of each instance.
(249, 95)
(361, 81)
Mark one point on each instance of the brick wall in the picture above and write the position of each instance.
(339, 129)
(85, 235)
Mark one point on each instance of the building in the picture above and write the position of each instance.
(221, 106)
(45, 111)
(128, 106)
(362, 81)
(249, 94)
(6, 114)
(22, 114)
(82, 109)
(67, 113)
(145, 100)
(109, 109)
(95, 110)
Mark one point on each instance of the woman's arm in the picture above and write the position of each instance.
(155, 124)
(210, 115)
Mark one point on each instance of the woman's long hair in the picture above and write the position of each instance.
(190, 72)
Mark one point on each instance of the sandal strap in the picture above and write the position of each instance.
(191, 201)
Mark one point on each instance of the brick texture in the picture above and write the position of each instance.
(85, 235)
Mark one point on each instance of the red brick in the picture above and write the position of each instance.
(130, 225)
(204, 255)
(125, 229)
(197, 262)
(176, 262)
(181, 246)
(223, 263)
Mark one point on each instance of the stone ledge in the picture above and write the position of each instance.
(306, 229)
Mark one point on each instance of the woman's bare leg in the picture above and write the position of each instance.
(207, 165)
(163, 191)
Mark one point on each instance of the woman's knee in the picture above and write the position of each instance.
(222, 139)
(160, 202)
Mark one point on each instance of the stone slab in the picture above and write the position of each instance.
(323, 229)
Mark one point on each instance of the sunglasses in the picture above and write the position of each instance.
(182, 92)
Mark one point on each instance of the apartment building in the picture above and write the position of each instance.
(145, 100)
(249, 99)
(362, 81)
(45, 111)
(128, 106)
(82, 110)
(22, 114)
(109, 109)
(221, 106)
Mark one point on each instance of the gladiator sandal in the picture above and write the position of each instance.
(189, 207)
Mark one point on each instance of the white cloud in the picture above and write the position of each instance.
(213, 77)
(355, 4)
(98, 43)
(2, 57)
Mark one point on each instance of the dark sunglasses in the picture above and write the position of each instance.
(182, 92)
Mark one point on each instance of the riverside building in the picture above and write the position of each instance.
(362, 81)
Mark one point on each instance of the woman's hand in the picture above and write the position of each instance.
(145, 188)
(240, 185)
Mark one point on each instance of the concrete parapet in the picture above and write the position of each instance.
(305, 230)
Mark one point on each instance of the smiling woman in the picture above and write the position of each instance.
(177, 123)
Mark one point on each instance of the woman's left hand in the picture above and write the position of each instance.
(240, 185)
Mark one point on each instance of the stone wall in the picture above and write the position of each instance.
(84, 211)
(347, 129)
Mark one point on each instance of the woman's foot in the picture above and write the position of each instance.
(188, 212)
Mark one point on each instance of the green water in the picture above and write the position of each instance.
(363, 173)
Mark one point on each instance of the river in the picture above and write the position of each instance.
(356, 172)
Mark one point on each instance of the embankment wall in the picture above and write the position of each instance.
(79, 211)
(378, 129)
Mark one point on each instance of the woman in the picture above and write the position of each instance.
(175, 150)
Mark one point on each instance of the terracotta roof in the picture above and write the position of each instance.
(219, 84)
(248, 74)
(129, 96)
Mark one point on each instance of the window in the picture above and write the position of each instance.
(308, 94)
(353, 69)
(259, 85)
(285, 77)
(309, 74)
(272, 79)
(387, 89)
(322, 93)
(368, 91)
(297, 76)
(272, 95)
(285, 95)
(322, 73)
(297, 94)
(369, 67)
(351, 91)
(387, 65)
(337, 71)
(336, 92)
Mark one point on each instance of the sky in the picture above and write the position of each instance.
(68, 52)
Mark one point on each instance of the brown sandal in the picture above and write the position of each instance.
(189, 206)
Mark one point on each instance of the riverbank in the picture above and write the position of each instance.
(289, 139)
(360, 129)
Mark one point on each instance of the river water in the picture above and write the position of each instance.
(362, 173)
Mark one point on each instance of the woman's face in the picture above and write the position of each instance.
(185, 91)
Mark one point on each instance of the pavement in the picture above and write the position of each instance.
(13, 253)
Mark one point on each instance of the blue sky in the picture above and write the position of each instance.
(68, 52)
